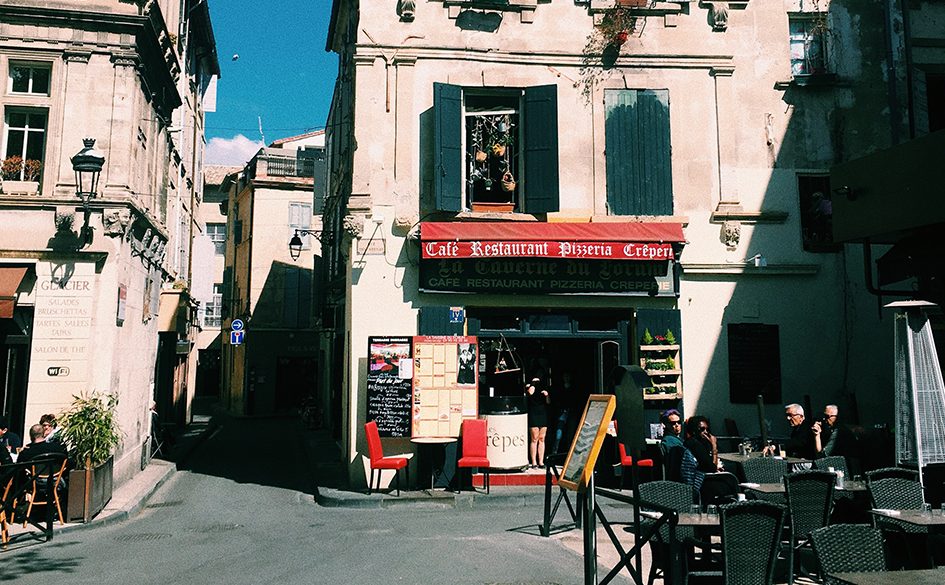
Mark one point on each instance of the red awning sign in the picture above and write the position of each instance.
(548, 249)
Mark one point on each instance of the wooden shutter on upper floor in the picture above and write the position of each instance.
(448, 146)
(540, 148)
(639, 154)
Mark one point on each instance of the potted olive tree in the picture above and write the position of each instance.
(91, 433)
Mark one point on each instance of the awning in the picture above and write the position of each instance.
(10, 278)
(605, 241)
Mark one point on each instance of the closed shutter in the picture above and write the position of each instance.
(639, 154)
(448, 146)
(540, 138)
(290, 299)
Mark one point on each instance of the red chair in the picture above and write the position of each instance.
(627, 461)
(474, 449)
(378, 461)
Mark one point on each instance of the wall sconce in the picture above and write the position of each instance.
(87, 164)
(295, 243)
(845, 192)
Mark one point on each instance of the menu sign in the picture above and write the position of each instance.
(389, 384)
(445, 385)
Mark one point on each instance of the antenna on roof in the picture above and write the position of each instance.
(260, 130)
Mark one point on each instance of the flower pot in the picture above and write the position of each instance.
(493, 207)
(19, 187)
(620, 38)
(481, 156)
(89, 491)
(508, 182)
(632, 3)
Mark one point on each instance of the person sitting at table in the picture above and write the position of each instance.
(672, 426)
(702, 444)
(51, 430)
(801, 443)
(38, 446)
(9, 440)
(832, 437)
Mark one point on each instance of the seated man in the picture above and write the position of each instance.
(832, 437)
(38, 447)
(8, 439)
(801, 443)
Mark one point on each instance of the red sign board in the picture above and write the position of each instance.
(547, 249)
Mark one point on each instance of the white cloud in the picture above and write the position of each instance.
(234, 151)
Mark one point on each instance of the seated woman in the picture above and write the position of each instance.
(702, 443)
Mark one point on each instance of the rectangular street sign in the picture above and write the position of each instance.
(236, 337)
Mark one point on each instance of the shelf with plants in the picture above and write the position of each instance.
(659, 358)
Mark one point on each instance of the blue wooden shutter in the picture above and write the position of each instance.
(639, 155)
(448, 146)
(540, 147)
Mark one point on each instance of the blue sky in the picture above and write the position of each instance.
(283, 74)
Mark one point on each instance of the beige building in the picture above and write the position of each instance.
(581, 179)
(273, 365)
(84, 303)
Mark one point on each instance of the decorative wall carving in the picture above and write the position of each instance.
(731, 233)
(718, 12)
(406, 10)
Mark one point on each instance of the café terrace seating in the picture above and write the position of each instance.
(843, 548)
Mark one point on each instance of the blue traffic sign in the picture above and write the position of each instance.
(236, 337)
(237, 325)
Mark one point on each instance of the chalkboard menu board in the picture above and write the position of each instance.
(586, 446)
(754, 363)
(389, 384)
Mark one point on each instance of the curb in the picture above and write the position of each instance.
(520, 498)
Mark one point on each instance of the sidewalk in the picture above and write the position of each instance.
(132, 496)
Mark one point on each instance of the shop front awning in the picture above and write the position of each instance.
(604, 241)
(10, 279)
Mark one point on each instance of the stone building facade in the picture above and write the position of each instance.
(705, 131)
(84, 287)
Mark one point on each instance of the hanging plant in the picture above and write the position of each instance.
(616, 25)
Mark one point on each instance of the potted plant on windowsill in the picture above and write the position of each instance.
(91, 433)
(19, 176)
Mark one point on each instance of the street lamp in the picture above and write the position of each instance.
(295, 243)
(87, 164)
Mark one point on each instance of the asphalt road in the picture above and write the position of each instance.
(241, 510)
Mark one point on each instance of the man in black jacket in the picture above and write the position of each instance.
(801, 443)
(38, 447)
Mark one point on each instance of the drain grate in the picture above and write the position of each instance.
(141, 537)
(166, 504)
(216, 528)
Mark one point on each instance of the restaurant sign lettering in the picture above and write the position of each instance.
(549, 276)
(548, 249)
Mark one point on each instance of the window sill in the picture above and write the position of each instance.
(815, 79)
(490, 215)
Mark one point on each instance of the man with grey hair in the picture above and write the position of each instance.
(831, 436)
(801, 443)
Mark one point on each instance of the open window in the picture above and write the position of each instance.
(24, 140)
(816, 213)
(496, 149)
(808, 39)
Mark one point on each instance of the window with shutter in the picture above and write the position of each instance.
(638, 152)
(300, 218)
(495, 149)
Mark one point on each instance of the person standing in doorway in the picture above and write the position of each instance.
(538, 399)
(561, 409)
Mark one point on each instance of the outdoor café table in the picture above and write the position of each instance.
(733, 462)
(913, 577)
(935, 521)
(435, 470)
(778, 488)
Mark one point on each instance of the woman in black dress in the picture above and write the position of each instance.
(537, 420)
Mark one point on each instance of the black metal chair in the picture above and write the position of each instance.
(843, 548)
(751, 540)
(810, 501)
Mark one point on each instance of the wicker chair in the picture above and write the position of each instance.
(843, 548)
(905, 539)
(765, 470)
(810, 501)
(887, 472)
(675, 495)
(838, 462)
(751, 539)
